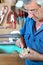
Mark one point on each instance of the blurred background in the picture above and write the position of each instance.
(11, 19)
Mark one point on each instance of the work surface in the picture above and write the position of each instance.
(11, 59)
(9, 55)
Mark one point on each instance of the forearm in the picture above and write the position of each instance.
(35, 56)
(41, 57)
(22, 40)
(38, 57)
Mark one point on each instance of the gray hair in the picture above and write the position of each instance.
(20, 4)
(26, 1)
(39, 2)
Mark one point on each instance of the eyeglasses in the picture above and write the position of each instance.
(27, 10)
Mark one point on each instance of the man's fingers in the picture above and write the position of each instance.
(21, 45)
(23, 55)
(28, 49)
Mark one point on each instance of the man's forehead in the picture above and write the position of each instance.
(31, 5)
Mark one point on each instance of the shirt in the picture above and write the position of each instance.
(33, 39)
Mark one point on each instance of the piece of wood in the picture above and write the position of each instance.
(11, 59)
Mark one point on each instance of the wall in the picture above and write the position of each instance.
(9, 30)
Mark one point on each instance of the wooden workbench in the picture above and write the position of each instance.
(11, 59)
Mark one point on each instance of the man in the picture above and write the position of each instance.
(32, 33)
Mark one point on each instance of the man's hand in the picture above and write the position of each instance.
(24, 53)
(33, 55)
(19, 43)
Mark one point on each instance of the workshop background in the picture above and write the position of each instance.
(11, 19)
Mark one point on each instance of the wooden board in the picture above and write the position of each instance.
(11, 59)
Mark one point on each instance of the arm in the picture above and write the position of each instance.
(33, 55)
(41, 57)
(23, 41)
(20, 42)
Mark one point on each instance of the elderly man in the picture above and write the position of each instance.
(32, 33)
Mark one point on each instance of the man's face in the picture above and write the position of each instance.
(34, 11)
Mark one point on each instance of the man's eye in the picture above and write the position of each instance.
(33, 10)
